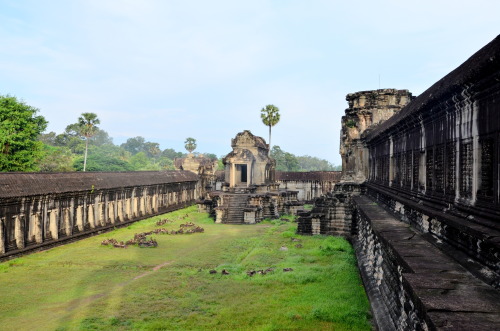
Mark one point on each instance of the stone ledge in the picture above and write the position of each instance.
(450, 297)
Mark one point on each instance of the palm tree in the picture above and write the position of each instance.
(190, 144)
(87, 124)
(270, 116)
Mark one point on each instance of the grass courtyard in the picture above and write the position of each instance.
(88, 286)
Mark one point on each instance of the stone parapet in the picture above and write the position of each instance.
(412, 284)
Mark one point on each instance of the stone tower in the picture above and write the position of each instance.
(249, 164)
(367, 109)
(250, 192)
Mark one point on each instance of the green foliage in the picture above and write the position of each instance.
(134, 145)
(19, 130)
(141, 162)
(190, 144)
(87, 125)
(101, 160)
(270, 116)
(286, 161)
(310, 163)
(171, 154)
(56, 159)
(351, 123)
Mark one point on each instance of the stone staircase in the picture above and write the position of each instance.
(269, 211)
(236, 206)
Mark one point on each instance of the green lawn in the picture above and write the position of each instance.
(87, 286)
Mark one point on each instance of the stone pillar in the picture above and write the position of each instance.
(105, 210)
(53, 226)
(67, 221)
(128, 209)
(2, 236)
(91, 216)
(232, 178)
(134, 207)
(79, 218)
(19, 231)
(120, 210)
(37, 217)
(111, 212)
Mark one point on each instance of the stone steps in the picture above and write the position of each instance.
(236, 206)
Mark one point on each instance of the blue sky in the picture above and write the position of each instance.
(168, 70)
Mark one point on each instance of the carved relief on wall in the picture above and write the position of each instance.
(466, 170)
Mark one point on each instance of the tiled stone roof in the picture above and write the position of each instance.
(27, 184)
(482, 64)
(308, 176)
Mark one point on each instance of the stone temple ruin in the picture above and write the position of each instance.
(250, 192)
(419, 197)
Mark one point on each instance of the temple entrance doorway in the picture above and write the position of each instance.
(241, 174)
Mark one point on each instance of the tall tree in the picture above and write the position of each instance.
(19, 130)
(134, 145)
(190, 144)
(270, 116)
(87, 127)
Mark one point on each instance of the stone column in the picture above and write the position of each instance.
(249, 173)
(79, 218)
(2, 236)
(91, 216)
(120, 210)
(111, 212)
(18, 231)
(53, 226)
(232, 180)
(67, 221)
(38, 227)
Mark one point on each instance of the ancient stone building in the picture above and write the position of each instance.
(249, 166)
(40, 209)
(203, 166)
(250, 192)
(310, 184)
(420, 199)
(366, 110)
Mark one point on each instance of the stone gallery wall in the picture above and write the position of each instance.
(425, 219)
(436, 163)
(38, 209)
(310, 185)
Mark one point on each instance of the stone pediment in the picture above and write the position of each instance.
(240, 155)
(247, 139)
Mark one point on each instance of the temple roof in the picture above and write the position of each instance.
(246, 138)
(17, 184)
(482, 64)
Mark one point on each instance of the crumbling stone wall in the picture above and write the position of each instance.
(367, 109)
(38, 209)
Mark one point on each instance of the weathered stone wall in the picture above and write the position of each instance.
(436, 163)
(411, 283)
(309, 185)
(38, 209)
(426, 225)
(367, 109)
